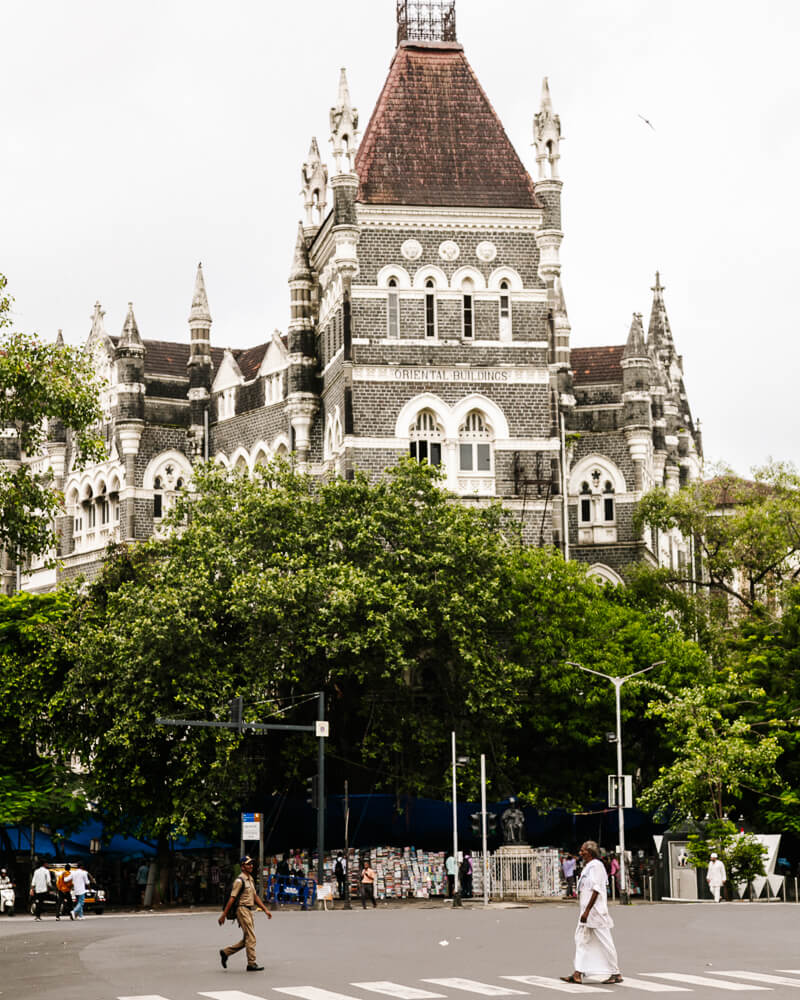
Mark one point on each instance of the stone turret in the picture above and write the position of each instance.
(659, 334)
(200, 367)
(546, 139)
(636, 400)
(302, 401)
(129, 358)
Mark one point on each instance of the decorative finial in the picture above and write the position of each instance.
(546, 134)
(199, 313)
(130, 331)
(344, 126)
(315, 186)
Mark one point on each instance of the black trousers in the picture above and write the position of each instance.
(342, 885)
(64, 903)
(40, 898)
(367, 892)
(451, 884)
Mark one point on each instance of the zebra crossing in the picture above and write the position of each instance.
(453, 988)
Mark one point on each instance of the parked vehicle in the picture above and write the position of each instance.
(94, 901)
(7, 899)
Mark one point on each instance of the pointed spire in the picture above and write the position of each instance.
(199, 312)
(301, 268)
(659, 334)
(635, 346)
(60, 338)
(344, 127)
(130, 331)
(546, 134)
(315, 185)
(98, 328)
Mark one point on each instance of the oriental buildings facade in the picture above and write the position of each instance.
(427, 318)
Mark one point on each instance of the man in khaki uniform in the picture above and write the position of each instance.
(245, 888)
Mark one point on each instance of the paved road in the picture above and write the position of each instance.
(700, 950)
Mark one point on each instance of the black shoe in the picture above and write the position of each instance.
(223, 958)
(255, 968)
(57, 917)
(71, 915)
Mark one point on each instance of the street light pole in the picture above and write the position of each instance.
(456, 879)
(618, 682)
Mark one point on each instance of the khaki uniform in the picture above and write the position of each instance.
(244, 917)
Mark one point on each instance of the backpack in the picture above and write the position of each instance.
(228, 893)
(338, 871)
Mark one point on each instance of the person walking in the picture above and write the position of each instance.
(340, 871)
(244, 892)
(40, 887)
(595, 954)
(450, 871)
(81, 880)
(367, 884)
(716, 876)
(142, 876)
(64, 889)
(568, 868)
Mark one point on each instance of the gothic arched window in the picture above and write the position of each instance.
(474, 444)
(425, 438)
(505, 310)
(468, 309)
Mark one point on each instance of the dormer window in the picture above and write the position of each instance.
(226, 403)
(430, 308)
(468, 314)
(393, 305)
(273, 389)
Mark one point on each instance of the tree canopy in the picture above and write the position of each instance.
(41, 384)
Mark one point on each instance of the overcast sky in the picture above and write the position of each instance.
(137, 139)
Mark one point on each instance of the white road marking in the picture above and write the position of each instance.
(556, 984)
(399, 991)
(718, 984)
(641, 984)
(761, 977)
(473, 986)
(232, 995)
(308, 993)
(149, 996)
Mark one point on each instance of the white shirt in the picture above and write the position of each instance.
(41, 880)
(594, 879)
(716, 872)
(80, 881)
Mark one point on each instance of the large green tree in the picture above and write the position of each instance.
(417, 615)
(40, 383)
(746, 532)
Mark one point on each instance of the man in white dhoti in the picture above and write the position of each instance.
(716, 876)
(595, 954)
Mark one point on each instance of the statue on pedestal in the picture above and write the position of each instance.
(513, 822)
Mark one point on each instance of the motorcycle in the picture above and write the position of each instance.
(7, 901)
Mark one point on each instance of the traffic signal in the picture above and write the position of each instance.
(491, 823)
(236, 711)
(475, 820)
(312, 792)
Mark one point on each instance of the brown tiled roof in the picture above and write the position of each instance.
(165, 357)
(596, 364)
(435, 139)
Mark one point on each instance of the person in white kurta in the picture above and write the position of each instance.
(595, 954)
(716, 876)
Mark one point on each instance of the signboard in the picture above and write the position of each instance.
(627, 791)
(251, 826)
(323, 728)
(325, 892)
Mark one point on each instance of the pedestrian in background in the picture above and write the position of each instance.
(142, 876)
(81, 880)
(568, 868)
(465, 873)
(244, 889)
(64, 889)
(40, 887)
(716, 876)
(450, 871)
(613, 871)
(367, 884)
(340, 871)
(595, 954)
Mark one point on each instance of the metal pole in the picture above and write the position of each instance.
(321, 796)
(564, 499)
(261, 855)
(484, 856)
(347, 904)
(456, 880)
(623, 884)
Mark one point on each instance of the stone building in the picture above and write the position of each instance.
(427, 318)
